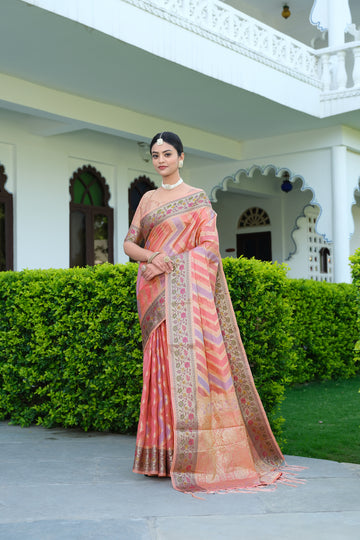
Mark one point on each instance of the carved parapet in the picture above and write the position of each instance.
(340, 68)
(335, 71)
(239, 32)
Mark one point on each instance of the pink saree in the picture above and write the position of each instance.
(201, 419)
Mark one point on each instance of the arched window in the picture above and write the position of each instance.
(253, 217)
(91, 219)
(136, 190)
(324, 260)
(6, 225)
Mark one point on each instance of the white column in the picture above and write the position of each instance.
(334, 16)
(341, 215)
(338, 12)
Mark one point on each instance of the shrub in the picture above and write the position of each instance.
(70, 347)
(263, 312)
(355, 270)
(70, 340)
(324, 330)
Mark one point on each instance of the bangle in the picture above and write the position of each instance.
(152, 256)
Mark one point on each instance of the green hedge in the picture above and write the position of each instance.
(263, 312)
(324, 330)
(70, 341)
(70, 345)
(355, 270)
(70, 348)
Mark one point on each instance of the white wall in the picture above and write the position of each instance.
(305, 262)
(353, 172)
(39, 170)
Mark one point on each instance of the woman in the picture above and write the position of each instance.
(201, 419)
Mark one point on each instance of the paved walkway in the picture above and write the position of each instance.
(65, 484)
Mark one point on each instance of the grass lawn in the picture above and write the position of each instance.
(322, 420)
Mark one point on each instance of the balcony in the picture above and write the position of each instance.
(205, 65)
(334, 72)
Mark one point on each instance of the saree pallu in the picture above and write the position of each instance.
(201, 420)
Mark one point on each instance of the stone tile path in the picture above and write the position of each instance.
(65, 484)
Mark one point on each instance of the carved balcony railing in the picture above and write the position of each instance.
(235, 30)
(333, 71)
(340, 69)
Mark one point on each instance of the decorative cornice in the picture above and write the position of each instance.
(340, 94)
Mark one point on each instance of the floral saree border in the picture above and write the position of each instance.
(267, 450)
(187, 203)
(182, 373)
(153, 316)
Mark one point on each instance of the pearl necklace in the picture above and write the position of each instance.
(172, 186)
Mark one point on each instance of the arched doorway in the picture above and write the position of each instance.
(255, 243)
(275, 238)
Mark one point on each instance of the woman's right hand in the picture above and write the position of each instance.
(149, 271)
(163, 263)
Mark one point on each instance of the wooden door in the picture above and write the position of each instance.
(256, 245)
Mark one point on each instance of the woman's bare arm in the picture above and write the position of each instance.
(136, 252)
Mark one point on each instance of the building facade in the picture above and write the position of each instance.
(267, 108)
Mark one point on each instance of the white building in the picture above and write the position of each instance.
(258, 100)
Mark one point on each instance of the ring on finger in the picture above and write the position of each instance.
(166, 259)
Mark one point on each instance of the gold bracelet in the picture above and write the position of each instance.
(152, 256)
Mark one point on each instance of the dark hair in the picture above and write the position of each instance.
(170, 138)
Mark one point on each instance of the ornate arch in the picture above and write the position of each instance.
(96, 177)
(137, 188)
(265, 170)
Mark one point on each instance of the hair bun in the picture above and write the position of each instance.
(170, 138)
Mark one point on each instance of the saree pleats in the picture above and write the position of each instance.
(155, 441)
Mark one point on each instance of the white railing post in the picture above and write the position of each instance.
(340, 74)
(325, 72)
(356, 71)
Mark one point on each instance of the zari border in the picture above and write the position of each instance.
(255, 418)
(153, 460)
(182, 372)
(173, 208)
(153, 316)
